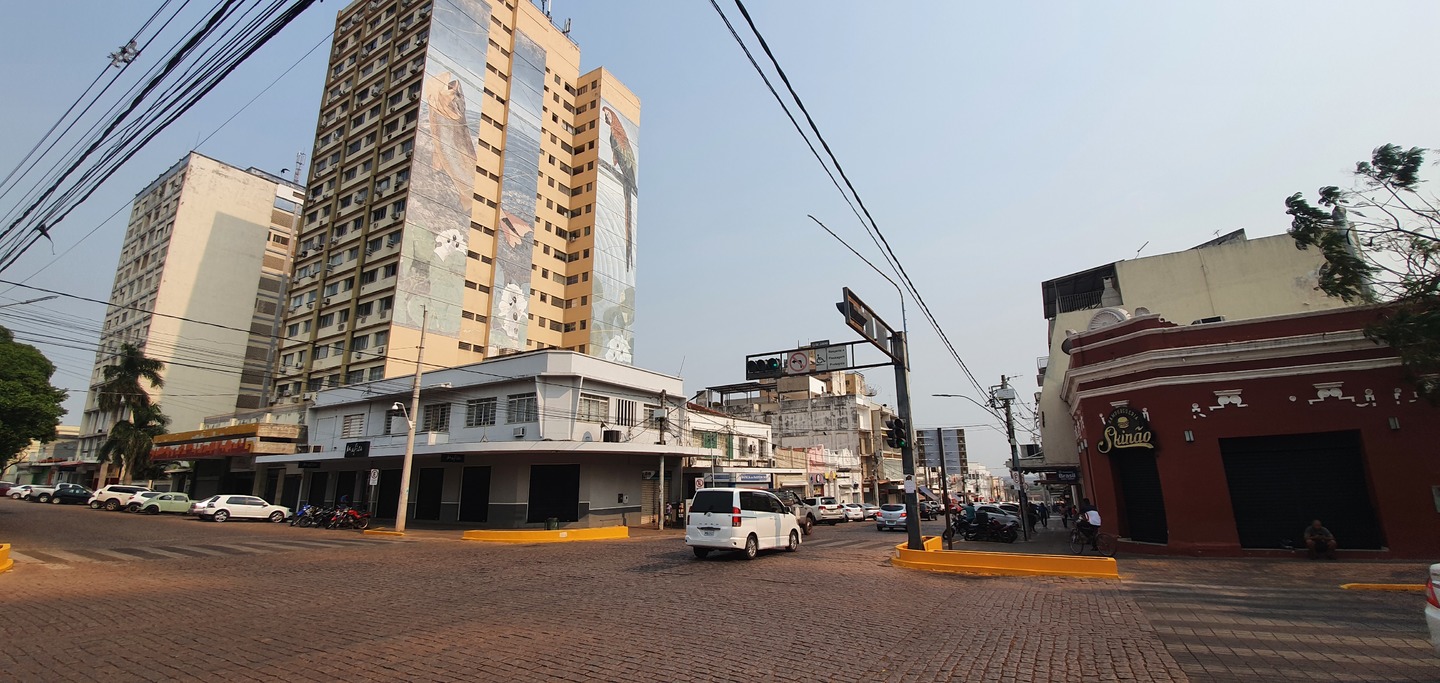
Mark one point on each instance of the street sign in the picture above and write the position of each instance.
(797, 363)
(830, 358)
(864, 320)
(374, 477)
(699, 483)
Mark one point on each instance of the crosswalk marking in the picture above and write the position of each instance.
(56, 558)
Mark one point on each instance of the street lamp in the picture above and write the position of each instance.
(402, 508)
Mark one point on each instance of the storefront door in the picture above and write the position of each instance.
(427, 495)
(475, 495)
(1278, 484)
(1141, 497)
(554, 492)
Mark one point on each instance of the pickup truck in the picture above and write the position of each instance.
(806, 515)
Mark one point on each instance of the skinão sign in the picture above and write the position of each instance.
(1126, 428)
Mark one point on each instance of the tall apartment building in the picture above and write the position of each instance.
(207, 242)
(466, 173)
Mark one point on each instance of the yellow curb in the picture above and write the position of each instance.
(935, 559)
(606, 533)
(1401, 587)
(5, 562)
(383, 532)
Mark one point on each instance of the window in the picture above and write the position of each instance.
(435, 417)
(625, 413)
(521, 408)
(594, 408)
(480, 412)
(377, 372)
(352, 426)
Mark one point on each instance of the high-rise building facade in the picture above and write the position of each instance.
(198, 287)
(467, 175)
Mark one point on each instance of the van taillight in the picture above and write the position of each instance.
(734, 516)
(1430, 593)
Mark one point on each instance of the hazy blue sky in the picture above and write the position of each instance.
(998, 145)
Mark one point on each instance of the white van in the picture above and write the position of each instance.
(739, 519)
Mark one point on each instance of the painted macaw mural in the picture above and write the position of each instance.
(612, 307)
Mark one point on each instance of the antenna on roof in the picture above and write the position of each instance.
(1142, 248)
(566, 30)
(545, 7)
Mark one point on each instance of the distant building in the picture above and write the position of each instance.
(468, 174)
(198, 286)
(49, 463)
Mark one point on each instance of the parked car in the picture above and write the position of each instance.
(34, 491)
(167, 502)
(137, 501)
(226, 507)
(74, 494)
(5, 487)
(830, 510)
(19, 492)
(854, 512)
(1432, 607)
(806, 515)
(739, 519)
(114, 496)
(891, 516)
(998, 513)
(871, 510)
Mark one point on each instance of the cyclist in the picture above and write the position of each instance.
(1089, 525)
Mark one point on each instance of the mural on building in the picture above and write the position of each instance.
(442, 176)
(616, 222)
(515, 233)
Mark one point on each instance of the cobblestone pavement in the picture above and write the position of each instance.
(636, 610)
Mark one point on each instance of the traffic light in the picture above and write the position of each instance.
(897, 433)
(764, 368)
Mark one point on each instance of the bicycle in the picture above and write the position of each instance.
(1104, 544)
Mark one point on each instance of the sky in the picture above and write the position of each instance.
(997, 146)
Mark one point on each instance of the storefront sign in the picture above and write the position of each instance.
(452, 457)
(1067, 476)
(357, 449)
(754, 477)
(308, 465)
(1126, 428)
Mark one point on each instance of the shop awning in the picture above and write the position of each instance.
(925, 491)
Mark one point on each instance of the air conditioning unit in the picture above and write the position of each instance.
(302, 254)
(310, 304)
(380, 350)
(308, 396)
(326, 302)
(359, 319)
(424, 12)
(610, 436)
(298, 366)
(414, 97)
(409, 153)
(519, 432)
(414, 69)
(340, 327)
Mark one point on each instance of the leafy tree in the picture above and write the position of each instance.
(1381, 243)
(129, 442)
(29, 405)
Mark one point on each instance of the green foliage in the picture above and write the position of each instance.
(121, 388)
(129, 441)
(29, 404)
(1381, 243)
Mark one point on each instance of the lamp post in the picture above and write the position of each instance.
(402, 509)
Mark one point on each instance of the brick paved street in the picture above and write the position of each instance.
(643, 609)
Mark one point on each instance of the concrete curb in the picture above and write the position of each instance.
(383, 532)
(6, 564)
(1397, 587)
(608, 533)
(934, 558)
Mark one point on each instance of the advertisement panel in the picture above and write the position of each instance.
(616, 223)
(442, 175)
(515, 232)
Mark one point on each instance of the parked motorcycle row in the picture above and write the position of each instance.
(989, 529)
(331, 517)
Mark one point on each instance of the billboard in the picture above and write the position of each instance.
(949, 441)
(515, 231)
(442, 174)
(612, 302)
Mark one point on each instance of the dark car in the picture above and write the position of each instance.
(5, 487)
(74, 494)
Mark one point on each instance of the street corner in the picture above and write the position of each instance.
(6, 563)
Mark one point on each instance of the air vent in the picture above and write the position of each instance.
(519, 432)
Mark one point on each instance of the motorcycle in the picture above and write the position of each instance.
(991, 530)
(348, 518)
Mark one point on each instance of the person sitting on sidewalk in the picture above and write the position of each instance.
(1319, 540)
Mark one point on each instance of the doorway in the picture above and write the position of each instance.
(1278, 484)
(290, 495)
(344, 486)
(427, 494)
(554, 492)
(316, 493)
(388, 494)
(1141, 498)
(272, 484)
(475, 495)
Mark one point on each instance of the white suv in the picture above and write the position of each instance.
(739, 519)
(115, 496)
(831, 511)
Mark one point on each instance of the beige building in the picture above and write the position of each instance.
(1229, 278)
(198, 287)
(45, 463)
(466, 174)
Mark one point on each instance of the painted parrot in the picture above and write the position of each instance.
(623, 158)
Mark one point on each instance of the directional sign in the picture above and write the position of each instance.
(797, 363)
(863, 320)
(832, 358)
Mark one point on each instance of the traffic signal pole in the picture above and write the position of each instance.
(907, 446)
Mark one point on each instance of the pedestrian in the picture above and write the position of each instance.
(1044, 515)
(670, 513)
(1319, 541)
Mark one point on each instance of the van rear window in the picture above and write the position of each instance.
(713, 501)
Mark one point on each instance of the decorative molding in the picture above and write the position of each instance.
(1238, 376)
(1329, 390)
(1231, 397)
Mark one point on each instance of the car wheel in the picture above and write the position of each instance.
(113, 504)
(879, 528)
(220, 515)
(95, 505)
(752, 547)
(794, 541)
(701, 553)
(277, 516)
(153, 509)
(132, 507)
(15, 496)
(55, 501)
(44, 498)
(807, 525)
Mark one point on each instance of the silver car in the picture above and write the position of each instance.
(891, 516)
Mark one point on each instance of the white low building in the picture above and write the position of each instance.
(508, 443)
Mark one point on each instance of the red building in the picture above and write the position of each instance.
(1228, 438)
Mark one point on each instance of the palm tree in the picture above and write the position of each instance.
(129, 442)
(121, 394)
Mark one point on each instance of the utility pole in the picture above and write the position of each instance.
(907, 448)
(944, 486)
(1007, 395)
(400, 512)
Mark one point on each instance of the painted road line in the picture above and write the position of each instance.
(1399, 587)
(22, 557)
